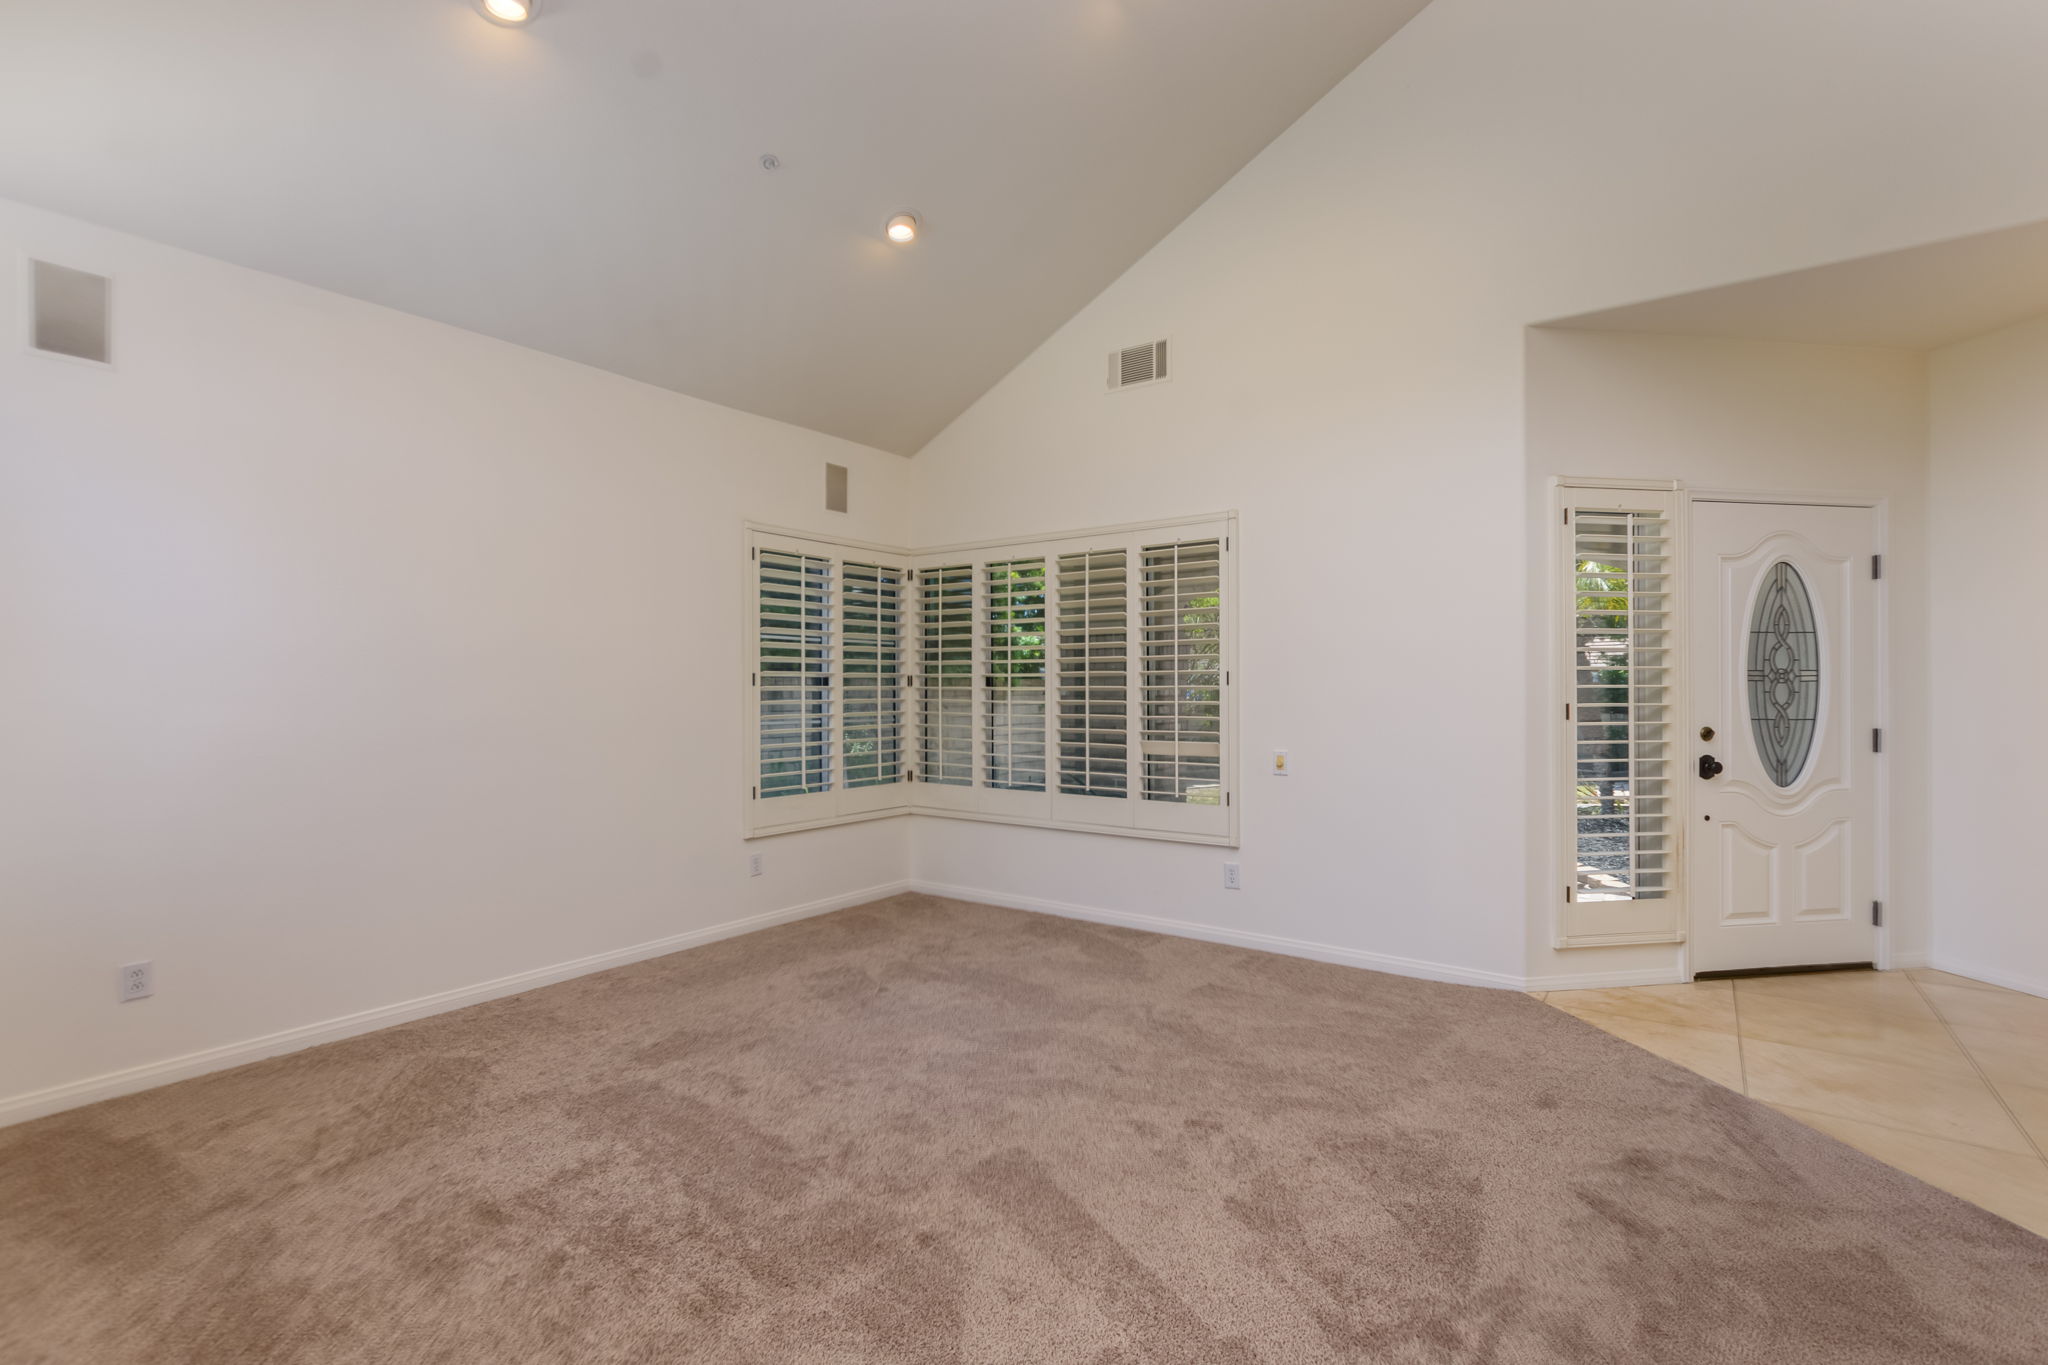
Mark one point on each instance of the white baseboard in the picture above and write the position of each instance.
(1603, 981)
(37, 1103)
(2032, 985)
(1239, 938)
(1905, 961)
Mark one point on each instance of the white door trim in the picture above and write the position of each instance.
(1561, 488)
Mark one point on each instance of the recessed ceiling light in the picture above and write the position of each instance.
(510, 13)
(903, 229)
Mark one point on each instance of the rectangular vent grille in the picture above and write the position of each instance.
(69, 312)
(1135, 365)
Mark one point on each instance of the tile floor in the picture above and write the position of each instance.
(1943, 1077)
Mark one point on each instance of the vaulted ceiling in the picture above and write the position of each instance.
(592, 185)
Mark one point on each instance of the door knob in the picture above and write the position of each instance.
(1710, 767)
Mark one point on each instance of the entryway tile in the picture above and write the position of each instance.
(1886, 1035)
(1917, 1099)
(2013, 1186)
(2017, 1057)
(1928, 976)
(2006, 1011)
(1703, 1004)
(1873, 992)
(1713, 1054)
(2030, 1105)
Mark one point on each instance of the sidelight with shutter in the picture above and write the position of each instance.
(1620, 721)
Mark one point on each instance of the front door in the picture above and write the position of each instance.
(1782, 855)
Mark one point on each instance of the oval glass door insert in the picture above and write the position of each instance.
(1784, 674)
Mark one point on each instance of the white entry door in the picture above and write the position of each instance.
(1782, 853)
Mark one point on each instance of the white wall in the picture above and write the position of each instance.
(1348, 315)
(1736, 415)
(1989, 540)
(353, 658)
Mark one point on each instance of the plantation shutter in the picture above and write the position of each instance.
(946, 676)
(1015, 711)
(1094, 663)
(1183, 673)
(1077, 682)
(1621, 725)
(827, 692)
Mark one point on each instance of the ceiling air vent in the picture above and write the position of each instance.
(1135, 365)
(68, 312)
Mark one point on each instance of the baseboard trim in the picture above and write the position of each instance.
(109, 1085)
(1236, 938)
(1957, 967)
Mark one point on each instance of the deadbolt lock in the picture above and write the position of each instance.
(1707, 732)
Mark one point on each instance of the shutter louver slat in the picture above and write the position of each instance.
(1621, 681)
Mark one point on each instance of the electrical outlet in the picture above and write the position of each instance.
(1230, 881)
(754, 865)
(137, 980)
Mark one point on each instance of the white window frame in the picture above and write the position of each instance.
(1130, 815)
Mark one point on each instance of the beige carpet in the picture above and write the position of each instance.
(923, 1131)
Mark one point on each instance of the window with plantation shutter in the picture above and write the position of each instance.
(1181, 733)
(796, 674)
(1080, 681)
(872, 608)
(945, 720)
(1620, 735)
(1015, 708)
(827, 684)
(1094, 673)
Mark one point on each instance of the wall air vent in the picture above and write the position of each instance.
(1135, 365)
(68, 312)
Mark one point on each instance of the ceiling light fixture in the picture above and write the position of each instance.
(903, 229)
(508, 13)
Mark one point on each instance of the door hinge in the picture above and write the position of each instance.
(1877, 566)
(1567, 895)
(756, 793)
(1877, 741)
(1877, 913)
(1567, 516)
(1567, 710)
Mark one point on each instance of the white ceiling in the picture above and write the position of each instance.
(591, 186)
(1916, 299)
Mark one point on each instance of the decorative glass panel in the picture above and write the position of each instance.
(1621, 705)
(1784, 674)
